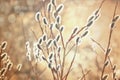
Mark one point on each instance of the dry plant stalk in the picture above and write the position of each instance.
(6, 65)
(109, 40)
(51, 47)
(108, 49)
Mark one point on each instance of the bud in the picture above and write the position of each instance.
(89, 23)
(3, 45)
(105, 77)
(40, 41)
(9, 66)
(114, 67)
(44, 58)
(61, 28)
(78, 41)
(58, 67)
(96, 17)
(96, 12)
(91, 18)
(49, 7)
(59, 49)
(84, 34)
(45, 21)
(37, 16)
(57, 38)
(108, 51)
(19, 66)
(49, 43)
(51, 26)
(3, 56)
(3, 71)
(115, 18)
(60, 8)
(39, 47)
(106, 63)
(44, 37)
(54, 14)
(75, 30)
(55, 44)
(112, 25)
(58, 19)
(51, 55)
(53, 2)
(50, 65)
(56, 25)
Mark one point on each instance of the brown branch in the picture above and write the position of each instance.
(70, 49)
(69, 69)
(109, 41)
(101, 4)
(34, 34)
(84, 75)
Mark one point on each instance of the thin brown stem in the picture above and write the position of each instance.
(70, 50)
(101, 4)
(101, 47)
(63, 63)
(40, 26)
(0, 58)
(109, 40)
(69, 69)
(84, 75)
(34, 35)
(72, 36)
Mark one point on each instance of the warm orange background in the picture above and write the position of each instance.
(16, 14)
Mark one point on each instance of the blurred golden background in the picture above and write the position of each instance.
(17, 20)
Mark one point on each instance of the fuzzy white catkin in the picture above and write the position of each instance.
(19, 66)
(75, 30)
(45, 20)
(3, 45)
(9, 65)
(49, 7)
(59, 8)
(3, 71)
(53, 2)
(37, 16)
(4, 56)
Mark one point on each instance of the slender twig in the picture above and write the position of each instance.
(72, 36)
(40, 26)
(63, 63)
(68, 72)
(101, 4)
(85, 75)
(109, 41)
(0, 58)
(101, 47)
(70, 49)
(34, 34)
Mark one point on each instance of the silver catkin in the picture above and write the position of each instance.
(58, 19)
(19, 66)
(49, 43)
(4, 45)
(49, 7)
(84, 34)
(37, 16)
(45, 20)
(59, 8)
(74, 30)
